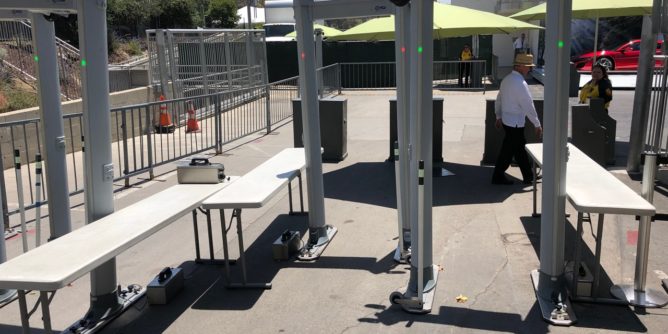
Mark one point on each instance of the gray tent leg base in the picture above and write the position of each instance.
(314, 249)
(649, 298)
(93, 321)
(402, 255)
(6, 295)
(409, 299)
(549, 310)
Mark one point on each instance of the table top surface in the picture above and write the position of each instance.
(592, 188)
(258, 186)
(61, 261)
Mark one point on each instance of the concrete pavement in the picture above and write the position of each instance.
(484, 238)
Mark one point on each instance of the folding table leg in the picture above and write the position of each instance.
(46, 315)
(301, 192)
(197, 254)
(290, 195)
(236, 213)
(210, 234)
(23, 309)
(578, 256)
(226, 254)
(599, 242)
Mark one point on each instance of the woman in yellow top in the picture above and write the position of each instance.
(465, 65)
(599, 86)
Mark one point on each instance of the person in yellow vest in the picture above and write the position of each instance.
(465, 66)
(599, 86)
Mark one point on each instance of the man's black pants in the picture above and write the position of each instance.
(513, 146)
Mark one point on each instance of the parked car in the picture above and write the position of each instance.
(623, 57)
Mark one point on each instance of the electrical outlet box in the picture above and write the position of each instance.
(585, 280)
(287, 244)
(165, 286)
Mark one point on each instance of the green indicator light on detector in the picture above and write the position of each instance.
(83, 62)
(560, 44)
(36, 58)
(420, 49)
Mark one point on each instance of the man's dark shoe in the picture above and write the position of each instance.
(530, 181)
(501, 180)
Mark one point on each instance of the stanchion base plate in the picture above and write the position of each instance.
(401, 256)
(409, 299)
(649, 298)
(83, 326)
(314, 252)
(548, 309)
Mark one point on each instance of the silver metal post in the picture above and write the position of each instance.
(549, 281)
(162, 62)
(403, 55)
(320, 234)
(228, 61)
(420, 235)
(641, 98)
(250, 57)
(52, 129)
(203, 64)
(99, 172)
(265, 69)
(5, 295)
(38, 199)
(319, 61)
(400, 255)
(19, 192)
(593, 62)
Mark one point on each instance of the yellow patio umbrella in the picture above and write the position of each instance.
(449, 21)
(592, 9)
(328, 32)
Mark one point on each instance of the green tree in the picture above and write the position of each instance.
(174, 14)
(222, 13)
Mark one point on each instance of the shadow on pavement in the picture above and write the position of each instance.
(589, 315)
(463, 317)
(374, 183)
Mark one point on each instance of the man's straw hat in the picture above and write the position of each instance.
(524, 59)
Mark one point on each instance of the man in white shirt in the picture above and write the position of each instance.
(513, 106)
(520, 44)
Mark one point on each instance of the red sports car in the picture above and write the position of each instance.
(624, 57)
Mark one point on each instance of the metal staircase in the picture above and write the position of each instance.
(16, 55)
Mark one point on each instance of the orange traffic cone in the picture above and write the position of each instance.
(192, 125)
(165, 125)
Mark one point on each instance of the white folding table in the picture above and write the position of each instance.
(591, 188)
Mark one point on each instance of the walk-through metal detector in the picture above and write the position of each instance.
(414, 120)
(655, 144)
(105, 300)
(549, 281)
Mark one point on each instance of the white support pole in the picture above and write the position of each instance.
(52, 129)
(403, 55)
(319, 233)
(99, 172)
(549, 281)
